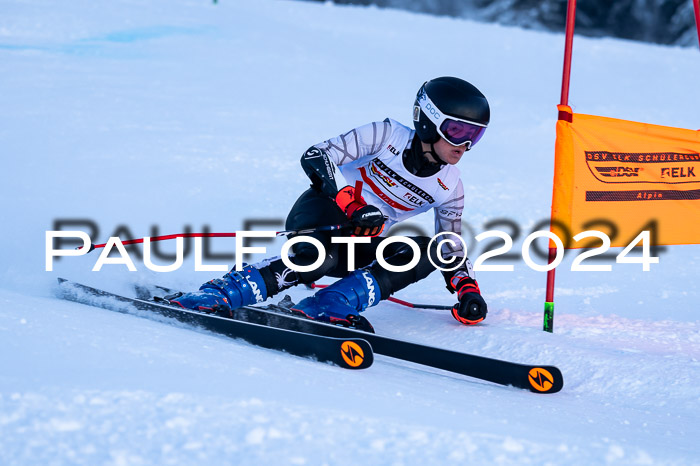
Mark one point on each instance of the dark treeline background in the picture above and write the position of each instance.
(659, 21)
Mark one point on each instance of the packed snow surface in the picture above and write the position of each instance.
(186, 114)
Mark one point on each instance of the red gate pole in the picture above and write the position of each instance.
(548, 325)
(696, 5)
(568, 46)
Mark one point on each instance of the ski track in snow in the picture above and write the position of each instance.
(115, 398)
(91, 427)
(181, 114)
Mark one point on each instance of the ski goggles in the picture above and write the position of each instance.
(456, 131)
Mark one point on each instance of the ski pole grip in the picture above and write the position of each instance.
(358, 191)
(349, 199)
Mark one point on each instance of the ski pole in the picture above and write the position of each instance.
(304, 231)
(402, 302)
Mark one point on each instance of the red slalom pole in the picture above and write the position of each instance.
(696, 7)
(568, 49)
(401, 301)
(548, 324)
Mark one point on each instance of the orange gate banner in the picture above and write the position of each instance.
(621, 177)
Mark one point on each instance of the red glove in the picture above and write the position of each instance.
(365, 220)
(471, 308)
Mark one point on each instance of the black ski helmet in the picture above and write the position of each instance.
(448, 97)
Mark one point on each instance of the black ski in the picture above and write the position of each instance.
(353, 352)
(538, 379)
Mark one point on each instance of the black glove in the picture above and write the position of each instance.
(471, 308)
(367, 221)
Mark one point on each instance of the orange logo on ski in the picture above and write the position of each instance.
(352, 353)
(540, 379)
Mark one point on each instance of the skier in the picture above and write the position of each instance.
(404, 172)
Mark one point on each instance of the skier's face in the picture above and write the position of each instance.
(449, 153)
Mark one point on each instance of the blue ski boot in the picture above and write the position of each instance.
(233, 290)
(342, 302)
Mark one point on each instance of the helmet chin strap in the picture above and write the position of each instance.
(434, 155)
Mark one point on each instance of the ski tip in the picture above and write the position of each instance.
(356, 353)
(545, 379)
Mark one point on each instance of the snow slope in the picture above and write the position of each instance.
(184, 113)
